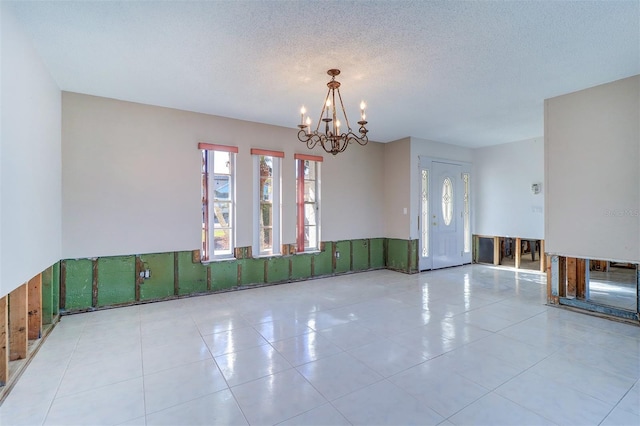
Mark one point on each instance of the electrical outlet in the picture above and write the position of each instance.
(147, 273)
(337, 255)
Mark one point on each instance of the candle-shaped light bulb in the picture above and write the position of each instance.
(308, 125)
(362, 107)
(337, 127)
(303, 111)
(328, 106)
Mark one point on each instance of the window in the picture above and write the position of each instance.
(267, 206)
(447, 201)
(424, 199)
(218, 201)
(308, 202)
(466, 213)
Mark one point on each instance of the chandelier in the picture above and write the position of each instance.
(332, 140)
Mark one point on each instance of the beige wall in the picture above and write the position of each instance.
(397, 170)
(29, 160)
(131, 178)
(592, 172)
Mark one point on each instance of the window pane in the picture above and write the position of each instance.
(221, 215)
(266, 189)
(467, 215)
(425, 212)
(447, 201)
(309, 170)
(309, 191)
(266, 239)
(222, 241)
(310, 236)
(221, 187)
(310, 214)
(222, 162)
(266, 166)
(266, 214)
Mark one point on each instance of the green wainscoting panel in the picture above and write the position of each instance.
(116, 280)
(47, 295)
(360, 255)
(78, 283)
(160, 284)
(192, 277)
(251, 271)
(277, 269)
(377, 253)
(301, 266)
(56, 288)
(398, 254)
(323, 261)
(413, 257)
(224, 274)
(343, 263)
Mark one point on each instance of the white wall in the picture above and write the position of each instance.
(434, 150)
(503, 202)
(592, 171)
(30, 186)
(131, 178)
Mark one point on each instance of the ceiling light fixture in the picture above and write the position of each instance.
(332, 141)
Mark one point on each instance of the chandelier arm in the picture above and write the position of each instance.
(324, 106)
(344, 111)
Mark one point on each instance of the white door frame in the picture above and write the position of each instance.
(426, 163)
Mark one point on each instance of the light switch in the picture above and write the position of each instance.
(404, 210)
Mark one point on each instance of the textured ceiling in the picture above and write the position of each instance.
(468, 73)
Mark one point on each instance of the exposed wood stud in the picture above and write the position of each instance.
(209, 278)
(138, 278)
(333, 257)
(580, 278)
(517, 247)
(35, 307)
(94, 283)
(290, 267)
(550, 297)
(369, 254)
(543, 257)
(351, 255)
(562, 276)
(4, 340)
(266, 270)
(239, 273)
(496, 250)
(572, 278)
(18, 339)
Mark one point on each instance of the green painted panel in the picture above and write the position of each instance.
(192, 277)
(78, 283)
(343, 263)
(252, 271)
(398, 254)
(116, 280)
(360, 255)
(47, 295)
(55, 276)
(160, 284)
(323, 262)
(224, 274)
(277, 269)
(301, 266)
(377, 253)
(413, 258)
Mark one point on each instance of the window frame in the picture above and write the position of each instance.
(276, 202)
(301, 203)
(207, 252)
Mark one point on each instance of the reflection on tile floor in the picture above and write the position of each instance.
(467, 345)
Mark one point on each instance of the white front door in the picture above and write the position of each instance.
(446, 218)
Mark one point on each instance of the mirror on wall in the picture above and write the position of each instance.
(613, 284)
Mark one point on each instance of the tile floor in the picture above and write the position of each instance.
(468, 345)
